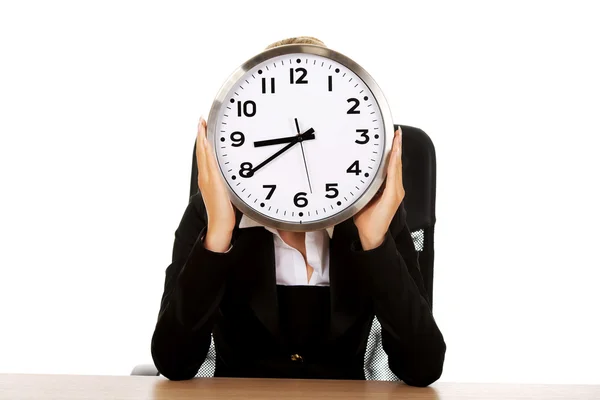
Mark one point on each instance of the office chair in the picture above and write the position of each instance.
(419, 176)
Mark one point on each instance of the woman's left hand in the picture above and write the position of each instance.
(374, 219)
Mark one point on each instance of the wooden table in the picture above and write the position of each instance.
(70, 387)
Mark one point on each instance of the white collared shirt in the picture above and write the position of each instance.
(290, 268)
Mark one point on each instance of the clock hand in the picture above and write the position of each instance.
(308, 135)
(270, 142)
(303, 156)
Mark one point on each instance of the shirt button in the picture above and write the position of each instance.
(296, 357)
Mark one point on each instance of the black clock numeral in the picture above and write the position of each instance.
(300, 200)
(331, 187)
(237, 138)
(364, 133)
(354, 168)
(330, 83)
(271, 190)
(264, 85)
(301, 79)
(246, 170)
(353, 109)
(248, 108)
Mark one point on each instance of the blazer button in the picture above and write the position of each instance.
(296, 357)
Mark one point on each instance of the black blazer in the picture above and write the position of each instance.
(234, 296)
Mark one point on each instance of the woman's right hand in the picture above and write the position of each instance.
(221, 215)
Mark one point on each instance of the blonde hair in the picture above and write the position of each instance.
(297, 40)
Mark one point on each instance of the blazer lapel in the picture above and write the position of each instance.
(347, 300)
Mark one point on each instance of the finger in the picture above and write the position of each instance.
(392, 167)
(400, 141)
(399, 182)
(211, 159)
(201, 149)
(393, 171)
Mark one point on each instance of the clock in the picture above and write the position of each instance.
(301, 134)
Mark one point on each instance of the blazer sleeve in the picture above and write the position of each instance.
(411, 338)
(194, 286)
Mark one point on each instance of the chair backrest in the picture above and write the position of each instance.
(419, 177)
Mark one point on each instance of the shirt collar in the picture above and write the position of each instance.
(247, 222)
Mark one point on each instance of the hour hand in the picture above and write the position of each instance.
(271, 142)
(309, 134)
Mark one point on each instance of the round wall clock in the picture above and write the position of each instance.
(301, 134)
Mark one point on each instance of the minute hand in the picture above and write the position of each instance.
(308, 135)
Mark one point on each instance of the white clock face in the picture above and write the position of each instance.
(299, 138)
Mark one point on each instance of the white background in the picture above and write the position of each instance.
(98, 109)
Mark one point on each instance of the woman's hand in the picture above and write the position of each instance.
(374, 219)
(221, 215)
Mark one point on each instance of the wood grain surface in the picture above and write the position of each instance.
(71, 387)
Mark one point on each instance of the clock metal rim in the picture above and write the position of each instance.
(387, 124)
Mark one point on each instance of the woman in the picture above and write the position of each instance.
(294, 304)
